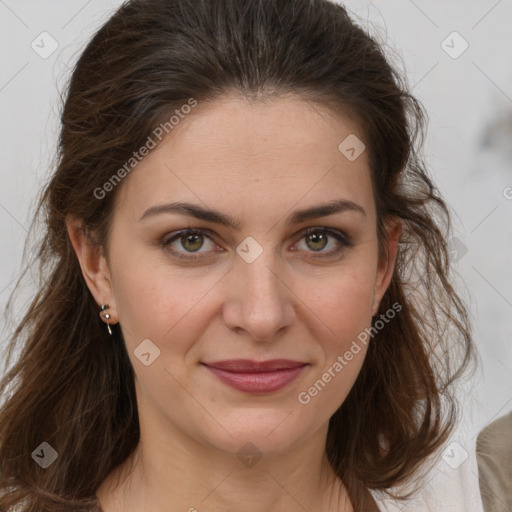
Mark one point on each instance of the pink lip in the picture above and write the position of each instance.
(256, 377)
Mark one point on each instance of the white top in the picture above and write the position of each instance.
(451, 486)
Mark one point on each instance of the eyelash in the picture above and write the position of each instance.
(344, 241)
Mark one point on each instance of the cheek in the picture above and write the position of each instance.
(160, 302)
(348, 297)
(343, 299)
(344, 308)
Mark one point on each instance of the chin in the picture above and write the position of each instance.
(260, 431)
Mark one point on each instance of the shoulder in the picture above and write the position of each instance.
(497, 435)
(494, 455)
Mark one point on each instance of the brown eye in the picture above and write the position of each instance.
(317, 239)
(191, 242)
(185, 243)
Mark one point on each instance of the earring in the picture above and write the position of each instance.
(106, 316)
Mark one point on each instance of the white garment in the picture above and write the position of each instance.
(451, 485)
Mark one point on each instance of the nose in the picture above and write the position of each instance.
(260, 303)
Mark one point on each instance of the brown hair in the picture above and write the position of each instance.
(73, 386)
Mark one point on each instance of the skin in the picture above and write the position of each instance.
(257, 161)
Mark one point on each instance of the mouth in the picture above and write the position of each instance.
(256, 376)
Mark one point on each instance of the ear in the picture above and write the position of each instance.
(386, 266)
(94, 266)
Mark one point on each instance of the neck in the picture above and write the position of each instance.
(170, 472)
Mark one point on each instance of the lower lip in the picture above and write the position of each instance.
(264, 382)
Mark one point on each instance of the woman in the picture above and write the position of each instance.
(247, 293)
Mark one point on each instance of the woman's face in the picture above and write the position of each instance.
(198, 312)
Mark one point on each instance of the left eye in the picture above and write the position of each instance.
(318, 238)
(192, 240)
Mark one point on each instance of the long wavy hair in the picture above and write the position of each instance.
(68, 383)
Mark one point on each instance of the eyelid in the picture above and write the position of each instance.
(337, 233)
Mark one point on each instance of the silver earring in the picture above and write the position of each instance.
(106, 316)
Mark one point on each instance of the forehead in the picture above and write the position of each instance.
(233, 127)
(234, 151)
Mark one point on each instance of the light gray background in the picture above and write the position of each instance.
(469, 145)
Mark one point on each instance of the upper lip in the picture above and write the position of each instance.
(250, 366)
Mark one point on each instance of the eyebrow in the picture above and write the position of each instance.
(207, 214)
